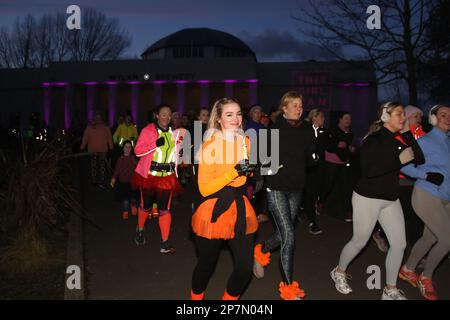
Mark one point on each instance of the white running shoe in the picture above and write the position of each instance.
(393, 294)
(340, 281)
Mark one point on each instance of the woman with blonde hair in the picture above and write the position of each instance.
(225, 214)
(376, 195)
(284, 192)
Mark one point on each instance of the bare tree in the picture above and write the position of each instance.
(99, 38)
(5, 48)
(43, 41)
(22, 42)
(435, 70)
(60, 35)
(395, 50)
(37, 43)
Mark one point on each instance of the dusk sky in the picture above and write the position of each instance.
(266, 26)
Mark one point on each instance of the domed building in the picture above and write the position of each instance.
(188, 69)
(198, 43)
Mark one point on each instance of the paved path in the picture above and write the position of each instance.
(118, 269)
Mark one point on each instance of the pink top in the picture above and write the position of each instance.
(146, 146)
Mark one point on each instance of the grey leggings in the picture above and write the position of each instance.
(435, 213)
(366, 213)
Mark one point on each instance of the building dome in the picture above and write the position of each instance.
(198, 43)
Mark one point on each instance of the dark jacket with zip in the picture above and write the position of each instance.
(320, 141)
(296, 149)
(334, 137)
(380, 164)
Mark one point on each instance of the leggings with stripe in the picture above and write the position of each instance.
(366, 213)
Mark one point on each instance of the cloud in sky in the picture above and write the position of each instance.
(153, 8)
(273, 44)
(266, 26)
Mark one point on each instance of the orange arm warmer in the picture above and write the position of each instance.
(208, 185)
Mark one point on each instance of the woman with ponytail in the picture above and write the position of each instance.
(225, 214)
(387, 147)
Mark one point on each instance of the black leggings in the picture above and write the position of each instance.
(208, 253)
(161, 197)
(311, 192)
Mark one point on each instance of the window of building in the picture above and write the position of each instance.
(188, 52)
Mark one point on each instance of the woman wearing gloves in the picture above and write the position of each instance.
(376, 195)
(413, 225)
(225, 215)
(155, 174)
(431, 202)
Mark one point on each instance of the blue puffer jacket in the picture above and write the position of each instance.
(436, 148)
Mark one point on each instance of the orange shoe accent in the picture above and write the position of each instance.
(200, 296)
(134, 210)
(409, 276)
(125, 215)
(227, 296)
(291, 291)
(426, 288)
(262, 258)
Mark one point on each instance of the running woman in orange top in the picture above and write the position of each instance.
(225, 215)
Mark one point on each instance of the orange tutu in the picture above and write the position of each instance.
(223, 228)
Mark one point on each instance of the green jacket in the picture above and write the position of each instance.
(124, 133)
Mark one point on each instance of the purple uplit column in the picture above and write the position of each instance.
(112, 102)
(354, 98)
(253, 91)
(68, 105)
(47, 103)
(90, 102)
(361, 111)
(229, 88)
(158, 91)
(204, 93)
(181, 95)
(346, 97)
(135, 100)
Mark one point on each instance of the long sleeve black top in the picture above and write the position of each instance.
(335, 136)
(380, 164)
